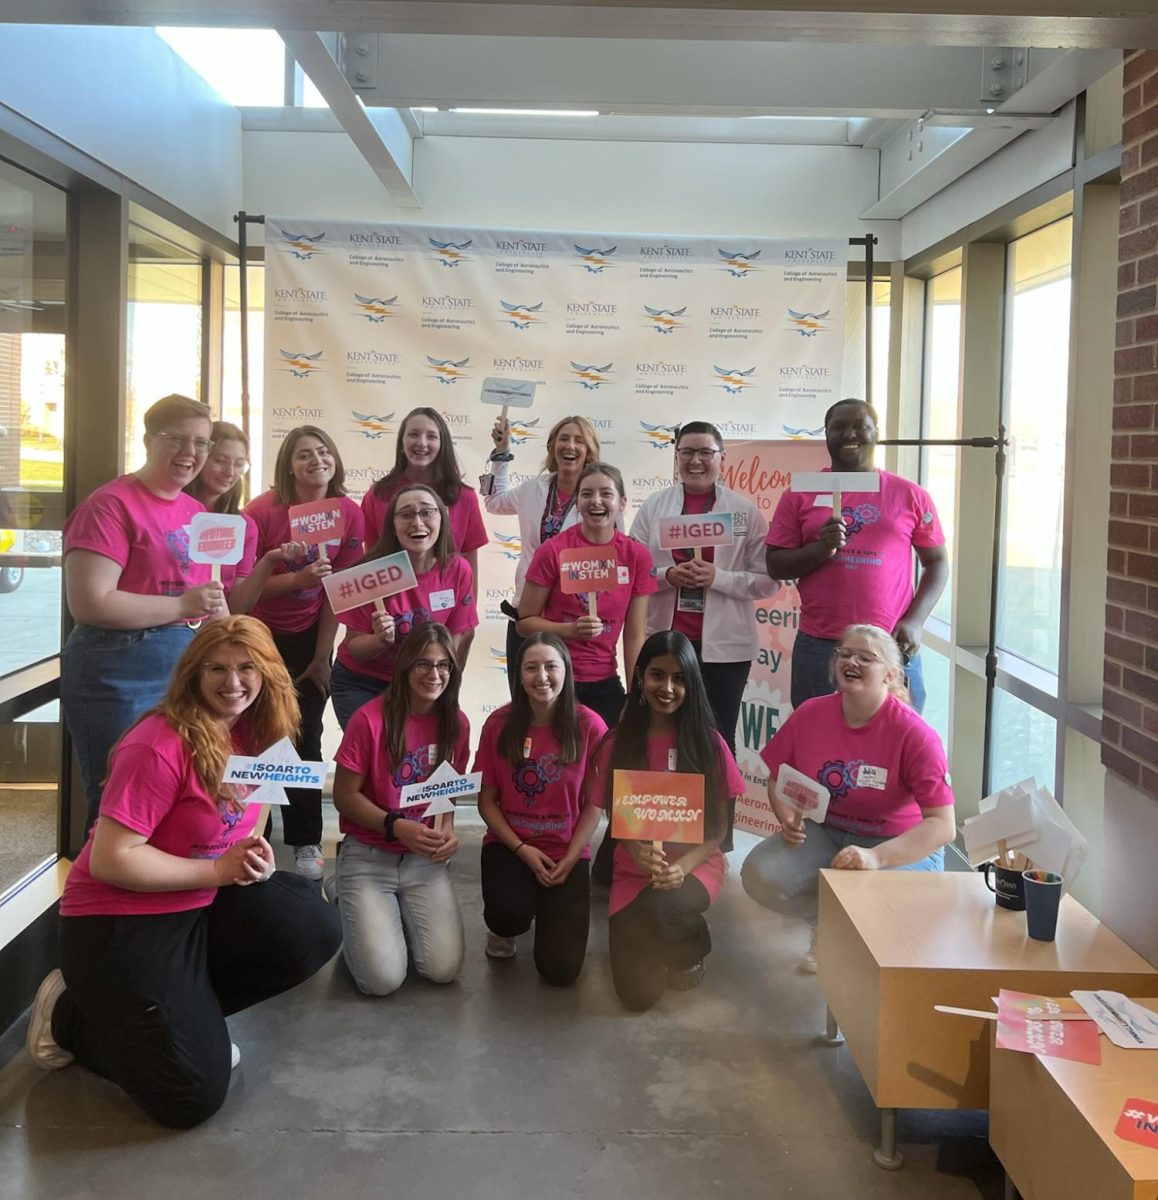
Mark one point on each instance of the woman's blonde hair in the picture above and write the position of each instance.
(272, 716)
(590, 440)
(889, 653)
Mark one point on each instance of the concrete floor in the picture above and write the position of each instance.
(498, 1085)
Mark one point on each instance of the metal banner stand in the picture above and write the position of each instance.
(244, 220)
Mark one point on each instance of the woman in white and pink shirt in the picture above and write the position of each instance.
(134, 595)
(416, 522)
(533, 755)
(393, 887)
(162, 935)
(891, 803)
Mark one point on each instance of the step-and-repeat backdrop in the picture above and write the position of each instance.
(638, 334)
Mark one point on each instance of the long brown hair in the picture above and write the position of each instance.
(230, 501)
(388, 542)
(564, 720)
(284, 484)
(397, 699)
(445, 471)
(272, 716)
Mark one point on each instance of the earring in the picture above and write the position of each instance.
(642, 701)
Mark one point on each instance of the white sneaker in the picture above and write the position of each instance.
(43, 1047)
(807, 964)
(234, 1056)
(500, 947)
(309, 861)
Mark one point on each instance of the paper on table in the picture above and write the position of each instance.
(1010, 822)
(1023, 1023)
(1125, 1023)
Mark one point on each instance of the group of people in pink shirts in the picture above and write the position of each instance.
(173, 915)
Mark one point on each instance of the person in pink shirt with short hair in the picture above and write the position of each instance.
(416, 522)
(134, 595)
(891, 805)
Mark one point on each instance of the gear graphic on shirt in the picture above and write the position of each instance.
(532, 777)
(230, 812)
(839, 777)
(861, 515)
(413, 767)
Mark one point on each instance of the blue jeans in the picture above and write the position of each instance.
(812, 671)
(108, 679)
(349, 690)
(390, 902)
(784, 878)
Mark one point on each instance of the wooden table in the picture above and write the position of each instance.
(894, 943)
(1051, 1122)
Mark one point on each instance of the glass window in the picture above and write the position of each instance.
(941, 406)
(244, 66)
(1037, 341)
(164, 329)
(29, 792)
(853, 373)
(936, 711)
(32, 364)
(1024, 743)
(231, 363)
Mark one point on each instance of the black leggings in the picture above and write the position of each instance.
(657, 930)
(301, 819)
(147, 996)
(513, 897)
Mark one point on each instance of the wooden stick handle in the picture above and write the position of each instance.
(992, 1016)
(503, 414)
(837, 501)
(322, 552)
(593, 604)
(696, 552)
(215, 573)
(379, 606)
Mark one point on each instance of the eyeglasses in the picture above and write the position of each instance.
(705, 455)
(220, 672)
(408, 514)
(179, 441)
(858, 656)
(424, 666)
(239, 466)
(312, 455)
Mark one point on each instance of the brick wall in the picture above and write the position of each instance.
(1130, 723)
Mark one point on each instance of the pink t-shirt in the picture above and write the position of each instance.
(595, 659)
(444, 594)
(870, 580)
(143, 533)
(627, 880)
(541, 798)
(466, 523)
(363, 751)
(154, 791)
(295, 612)
(911, 772)
(231, 573)
(689, 623)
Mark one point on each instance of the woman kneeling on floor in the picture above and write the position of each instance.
(394, 890)
(657, 931)
(162, 935)
(891, 804)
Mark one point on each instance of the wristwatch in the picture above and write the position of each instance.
(506, 456)
(388, 823)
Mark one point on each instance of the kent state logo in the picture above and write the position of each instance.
(590, 376)
(665, 320)
(302, 246)
(660, 437)
(371, 426)
(499, 659)
(808, 324)
(857, 516)
(447, 370)
(521, 316)
(456, 420)
(510, 545)
(301, 365)
(523, 431)
(450, 254)
(595, 260)
(798, 435)
(738, 265)
(373, 308)
(733, 381)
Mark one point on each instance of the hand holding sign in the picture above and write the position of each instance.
(588, 569)
(682, 532)
(216, 538)
(510, 393)
(370, 582)
(805, 796)
(272, 771)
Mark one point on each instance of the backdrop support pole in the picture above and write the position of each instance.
(243, 220)
(868, 242)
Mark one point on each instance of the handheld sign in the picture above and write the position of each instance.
(509, 393)
(216, 538)
(588, 569)
(439, 791)
(657, 806)
(836, 482)
(317, 522)
(273, 770)
(807, 796)
(710, 529)
(370, 582)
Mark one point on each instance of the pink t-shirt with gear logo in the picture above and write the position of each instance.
(145, 534)
(541, 798)
(363, 751)
(595, 659)
(897, 753)
(444, 594)
(154, 791)
(870, 579)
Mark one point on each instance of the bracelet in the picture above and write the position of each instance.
(518, 848)
(389, 821)
(506, 456)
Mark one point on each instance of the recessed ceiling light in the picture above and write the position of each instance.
(526, 112)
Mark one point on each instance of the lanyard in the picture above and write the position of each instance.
(552, 522)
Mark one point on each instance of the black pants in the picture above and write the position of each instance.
(147, 996)
(606, 697)
(657, 930)
(724, 682)
(513, 898)
(302, 818)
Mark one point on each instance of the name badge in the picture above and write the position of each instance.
(740, 523)
(691, 600)
(673, 758)
(623, 574)
(527, 746)
(876, 778)
(440, 601)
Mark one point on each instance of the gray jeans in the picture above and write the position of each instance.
(784, 878)
(392, 903)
